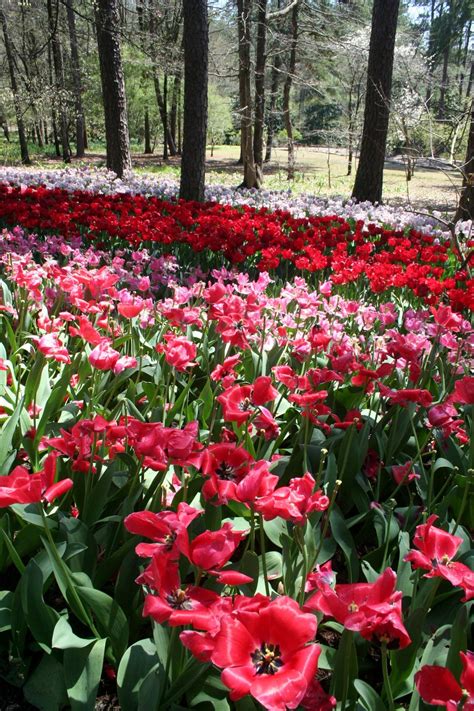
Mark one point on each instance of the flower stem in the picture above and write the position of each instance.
(470, 474)
(262, 552)
(386, 679)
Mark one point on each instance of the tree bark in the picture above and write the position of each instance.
(39, 134)
(465, 210)
(166, 130)
(179, 145)
(196, 47)
(287, 92)
(444, 84)
(76, 78)
(168, 144)
(59, 78)
(174, 108)
(271, 111)
(260, 59)
(148, 148)
(369, 177)
(251, 177)
(54, 125)
(25, 158)
(113, 86)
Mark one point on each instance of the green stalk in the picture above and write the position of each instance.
(386, 679)
(470, 474)
(299, 537)
(326, 522)
(392, 504)
(70, 581)
(262, 552)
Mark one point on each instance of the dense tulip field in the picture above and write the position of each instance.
(236, 451)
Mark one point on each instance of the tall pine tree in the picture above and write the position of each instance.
(196, 47)
(369, 177)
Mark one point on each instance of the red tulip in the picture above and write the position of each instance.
(439, 687)
(436, 551)
(104, 357)
(173, 602)
(373, 609)
(268, 654)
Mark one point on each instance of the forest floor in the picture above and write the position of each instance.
(318, 171)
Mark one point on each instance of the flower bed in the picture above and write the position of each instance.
(346, 252)
(227, 489)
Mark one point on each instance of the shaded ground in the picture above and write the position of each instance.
(318, 171)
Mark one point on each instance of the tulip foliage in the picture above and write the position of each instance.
(241, 480)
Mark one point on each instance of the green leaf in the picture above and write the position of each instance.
(27, 513)
(40, 618)
(434, 653)
(135, 665)
(63, 578)
(327, 657)
(458, 644)
(274, 530)
(345, 668)
(207, 397)
(7, 433)
(45, 688)
(82, 673)
(53, 404)
(6, 604)
(249, 565)
(368, 697)
(150, 690)
(162, 643)
(37, 387)
(403, 660)
(404, 575)
(274, 561)
(111, 620)
(345, 541)
(179, 403)
(15, 558)
(65, 638)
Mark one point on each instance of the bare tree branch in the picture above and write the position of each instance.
(284, 11)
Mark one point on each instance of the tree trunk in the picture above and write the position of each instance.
(166, 129)
(25, 158)
(251, 177)
(179, 145)
(444, 84)
(465, 210)
(174, 108)
(470, 81)
(350, 149)
(148, 148)
(196, 47)
(431, 61)
(59, 77)
(260, 59)
(113, 86)
(287, 92)
(54, 125)
(39, 135)
(168, 144)
(271, 110)
(6, 130)
(369, 177)
(76, 78)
